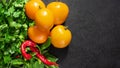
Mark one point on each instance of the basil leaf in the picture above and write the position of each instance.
(45, 45)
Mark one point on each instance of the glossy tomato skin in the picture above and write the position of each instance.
(32, 6)
(37, 35)
(60, 11)
(60, 36)
(44, 19)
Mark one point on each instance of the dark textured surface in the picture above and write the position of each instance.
(95, 25)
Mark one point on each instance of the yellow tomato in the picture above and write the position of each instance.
(36, 35)
(44, 19)
(60, 11)
(32, 6)
(60, 36)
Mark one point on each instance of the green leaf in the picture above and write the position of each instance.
(7, 58)
(25, 26)
(51, 57)
(10, 2)
(16, 14)
(6, 53)
(7, 13)
(7, 38)
(11, 9)
(25, 1)
(1, 12)
(38, 65)
(3, 26)
(1, 6)
(45, 45)
(53, 66)
(17, 62)
(4, 2)
(29, 65)
(19, 5)
(11, 22)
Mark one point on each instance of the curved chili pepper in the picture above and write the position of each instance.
(44, 60)
(23, 48)
(41, 57)
(33, 48)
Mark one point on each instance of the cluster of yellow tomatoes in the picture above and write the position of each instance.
(48, 22)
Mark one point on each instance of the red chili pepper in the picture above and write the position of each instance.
(41, 57)
(23, 48)
(35, 50)
(44, 60)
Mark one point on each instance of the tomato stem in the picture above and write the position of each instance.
(40, 7)
(66, 27)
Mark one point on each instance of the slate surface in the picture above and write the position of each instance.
(95, 25)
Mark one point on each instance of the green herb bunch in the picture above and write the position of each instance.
(13, 31)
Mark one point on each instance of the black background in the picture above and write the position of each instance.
(95, 26)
